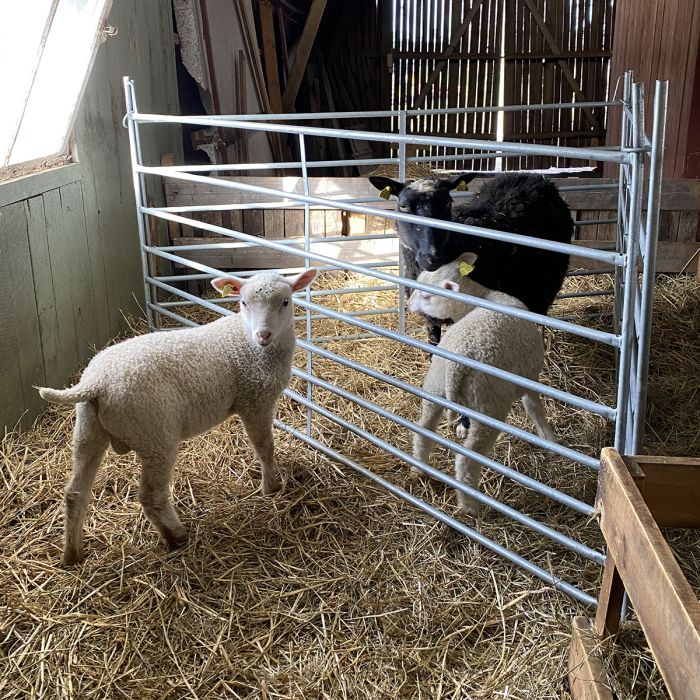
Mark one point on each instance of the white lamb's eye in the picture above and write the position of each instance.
(404, 208)
(244, 304)
(285, 302)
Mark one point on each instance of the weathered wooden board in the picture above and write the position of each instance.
(671, 489)
(587, 676)
(257, 257)
(666, 605)
(21, 363)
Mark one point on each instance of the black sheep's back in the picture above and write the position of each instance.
(529, 205)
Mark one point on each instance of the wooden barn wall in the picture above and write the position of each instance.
(69, 262)
(659, 39)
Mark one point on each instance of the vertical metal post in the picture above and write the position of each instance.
(402, 178)
(139, 191)
(621, 199)
(307, 264)
(649, 256)
(636, 160)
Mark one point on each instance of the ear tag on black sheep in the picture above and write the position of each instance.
(385, 193)
(465, 268)
(228, 290)
(462, 187)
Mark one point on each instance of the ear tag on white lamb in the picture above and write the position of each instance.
(465, 268)
(228, 290)
(462, 187)
(385, 193)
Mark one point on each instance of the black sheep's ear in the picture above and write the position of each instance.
(386, 184)
(458, 182)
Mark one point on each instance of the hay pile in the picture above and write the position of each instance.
(332, 589)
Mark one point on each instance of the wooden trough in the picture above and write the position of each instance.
(636, 497)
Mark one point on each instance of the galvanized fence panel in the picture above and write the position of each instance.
(636, 157)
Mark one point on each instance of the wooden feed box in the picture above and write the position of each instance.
(637, 496)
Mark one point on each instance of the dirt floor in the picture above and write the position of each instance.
(333, 588)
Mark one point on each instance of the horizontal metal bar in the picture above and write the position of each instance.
(524, 435)
(485, 461)
(540, 573)
(354, 314)
(591, 333)
(593, 222)
(588, 273)
(175, 317)
(529, 241)
(578, 295)
(475, 493)
(388, 137)
(304, 116)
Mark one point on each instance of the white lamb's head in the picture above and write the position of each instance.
(453, 276)
(266, 309)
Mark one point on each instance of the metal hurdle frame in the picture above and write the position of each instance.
(630, 335)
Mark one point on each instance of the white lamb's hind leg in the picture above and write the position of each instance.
(423, 446)
(481, 439)
(154, 494)
(535, 411)
(90, 440)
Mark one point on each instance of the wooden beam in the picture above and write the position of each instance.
(666, 605)
(303, 51)
(454, 43)
(612, 591)
(551, 42)
(270, 54)
(671, 489)
(587, 677)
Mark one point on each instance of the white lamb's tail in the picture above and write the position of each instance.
(75, 394)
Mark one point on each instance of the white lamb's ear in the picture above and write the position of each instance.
(303, 279)
(449, 284)
(467, 258)
(228, 286)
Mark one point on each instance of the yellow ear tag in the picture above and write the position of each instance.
(465, 268)
(385, 193)
(462, 186)
(228, 290)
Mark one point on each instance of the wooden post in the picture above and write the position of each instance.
(303, 51)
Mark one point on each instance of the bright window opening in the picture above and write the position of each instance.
(46, 49)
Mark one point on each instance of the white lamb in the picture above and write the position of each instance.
(148, 393)
(487, 336)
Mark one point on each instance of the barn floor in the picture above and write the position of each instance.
(333, 588)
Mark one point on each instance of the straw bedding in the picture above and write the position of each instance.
(333, 588)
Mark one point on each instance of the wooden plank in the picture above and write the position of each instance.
(676, 195)
(54, 374)
(274, 223)
(666, 605)
(671, 258)
(21, 365)
(258, 257)
(75, 240)
(317, 222)
(612, 591)
(63, 281)
(303, 51)
(33, 185)
(587, 677)
(671, 489)
(269, 47)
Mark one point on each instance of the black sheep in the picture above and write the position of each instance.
(523, 203)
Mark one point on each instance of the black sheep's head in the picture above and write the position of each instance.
(428, 197)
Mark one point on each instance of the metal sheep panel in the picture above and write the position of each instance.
(629, 337)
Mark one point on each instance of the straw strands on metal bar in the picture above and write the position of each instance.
(333, 588)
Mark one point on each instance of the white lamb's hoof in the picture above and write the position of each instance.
(468, 506)
(415, 475)
(270, 489)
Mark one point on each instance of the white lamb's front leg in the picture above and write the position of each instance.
(423, 446)
(258, 426)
